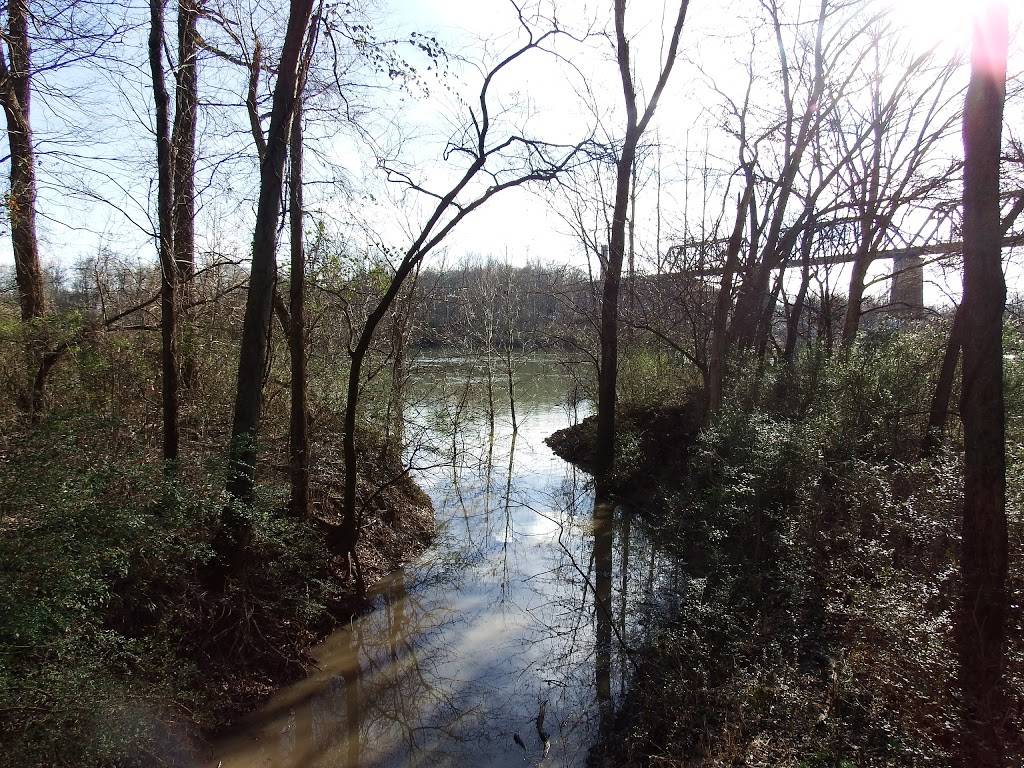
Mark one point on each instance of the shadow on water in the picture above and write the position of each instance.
(507, 643)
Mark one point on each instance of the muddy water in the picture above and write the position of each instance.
(507, 643)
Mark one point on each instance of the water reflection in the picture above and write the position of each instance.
(507, 643)
(603, 517)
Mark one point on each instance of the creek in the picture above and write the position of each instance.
(507, 642)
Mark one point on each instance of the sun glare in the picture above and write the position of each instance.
(941, 24)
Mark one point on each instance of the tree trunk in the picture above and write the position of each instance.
(631, 274)
(395, 437)
(939, 411)
(851, 320)
(750, 305)
(869, 226)
(258, 305)
(604, 458)
(983, 607)
(168, 268)
(298, 436)
(765, 328)
(345, 538)
(608, 375)
(183, 139)
(720, 320)
(348, 534)
(793, 323)
(183, 148)
(16, 97)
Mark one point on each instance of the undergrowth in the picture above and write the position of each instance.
(111, 642)
(117, 644)
(815, 627)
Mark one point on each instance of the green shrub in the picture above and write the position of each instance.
(109, 636)
(815, 617)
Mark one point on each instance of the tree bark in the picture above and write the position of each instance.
(720, 319)
(869, 226)
(168, 268)
(765, 328)
(983, 607)
(608, 375)
(183, 139)
(938, 414)
(345, 538)
(262, 276)
(395, 426)
(854, 297)
(298, 439)
(793, 323)
(183, 148)
(15, 96)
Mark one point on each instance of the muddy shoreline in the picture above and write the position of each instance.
(398, 525)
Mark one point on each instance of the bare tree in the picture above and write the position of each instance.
(636, 124)
(15, 97)
(983, 606)
(719, 325)
(745, 208)
(816, 78)
(938, 413)
(40, 39)
(888, 176)
(183, 138)
(165, 212)
(298, 433)
(798, 129)
(501, 163)
(263, 274)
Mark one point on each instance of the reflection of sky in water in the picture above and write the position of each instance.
(462, 647)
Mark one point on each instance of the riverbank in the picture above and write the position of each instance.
(114, 650)
(652, 447)
(812, 620)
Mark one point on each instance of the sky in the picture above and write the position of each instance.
(713, 43)
(543, 96)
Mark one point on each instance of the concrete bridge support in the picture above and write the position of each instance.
(907, 293)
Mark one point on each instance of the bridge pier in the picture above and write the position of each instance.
(907, 292)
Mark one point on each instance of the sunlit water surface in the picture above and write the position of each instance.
(507, 642)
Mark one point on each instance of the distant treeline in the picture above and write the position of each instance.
(484, 305)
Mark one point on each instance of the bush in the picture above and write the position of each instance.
(115, 649)
(816, 624)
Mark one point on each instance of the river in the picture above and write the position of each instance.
(507, 642)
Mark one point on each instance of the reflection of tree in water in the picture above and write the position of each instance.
(353, 705)
(603, 533)
(610, 590)
(509, 528)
